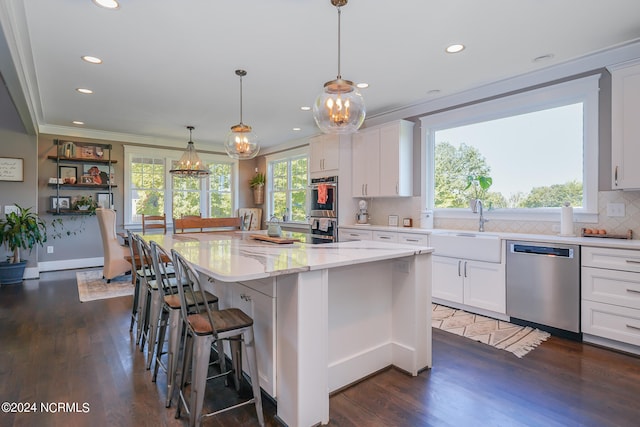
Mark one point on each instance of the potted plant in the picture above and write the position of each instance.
(479, 185)
(21, 229)
(257, 184)
(84, 203)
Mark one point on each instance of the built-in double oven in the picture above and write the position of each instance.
(323, 208)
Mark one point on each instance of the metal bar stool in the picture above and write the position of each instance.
(137, 310)
(170, 317)
(203, 328)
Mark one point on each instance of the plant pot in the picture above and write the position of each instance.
(258, 195)
(11, 274)
(473, 205)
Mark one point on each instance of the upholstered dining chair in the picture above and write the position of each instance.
(115, 263)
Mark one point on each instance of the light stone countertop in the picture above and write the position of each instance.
(235, 256)
(602, 242)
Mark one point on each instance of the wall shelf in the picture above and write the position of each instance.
(82, 160)
(72, 186)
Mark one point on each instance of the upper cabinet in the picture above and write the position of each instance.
(324, 158)
(625, 125)
(382, 161)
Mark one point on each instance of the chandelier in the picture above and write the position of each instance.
(242, 142)
(190, 164)
(340, 107)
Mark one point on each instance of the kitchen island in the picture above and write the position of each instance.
(342, 311)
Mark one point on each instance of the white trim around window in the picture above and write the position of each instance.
(583, 90)
(169, 156)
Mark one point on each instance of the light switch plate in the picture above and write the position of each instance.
(615, 209)
(10, 208)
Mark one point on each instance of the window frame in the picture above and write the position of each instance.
(584, 90)
(287, 155)
(169, 155)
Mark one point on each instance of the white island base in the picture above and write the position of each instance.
(338, 325)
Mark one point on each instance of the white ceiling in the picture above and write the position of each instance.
(168, 64)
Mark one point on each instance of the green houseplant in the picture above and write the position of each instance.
(84, 203)
(22, 229)
(479, 184)
(257, 184)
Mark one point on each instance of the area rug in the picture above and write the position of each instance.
(91, 286)
(516, 339)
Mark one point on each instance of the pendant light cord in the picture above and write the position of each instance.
(241, 100)
(339, 14)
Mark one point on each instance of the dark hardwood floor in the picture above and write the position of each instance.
(55, 349)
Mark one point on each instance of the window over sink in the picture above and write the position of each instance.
(539, 147)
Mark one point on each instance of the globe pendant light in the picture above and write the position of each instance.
(340, 107)
(242, 142)
(190, 164)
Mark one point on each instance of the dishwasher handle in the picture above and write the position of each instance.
(517, 248)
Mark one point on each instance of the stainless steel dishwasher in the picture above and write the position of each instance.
(543, 284)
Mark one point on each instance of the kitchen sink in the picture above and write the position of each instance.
(468, 245)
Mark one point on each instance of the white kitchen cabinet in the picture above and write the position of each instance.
(413, 238)
(611, 295)
(385, 236)
(625, 126)
(365, 158)
(382, 161)
(348, 235)
(257, 299)
(324, 157)
(472, 283)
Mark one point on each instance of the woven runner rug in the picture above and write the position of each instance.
(516, 339)
(91, 286)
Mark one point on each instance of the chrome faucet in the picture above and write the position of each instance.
(482, 218)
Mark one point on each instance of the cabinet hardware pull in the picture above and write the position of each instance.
(412, 240)
(633, 327)
(366, 189)
(459, 262)
(633, 291)
(632, 261)
(384, 237)
(465, 269)
(615, 177)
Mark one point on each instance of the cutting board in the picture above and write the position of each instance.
(280, 240)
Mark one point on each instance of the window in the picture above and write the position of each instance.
(287, 181)
(147, 187)
(539, 148)
(152, 190)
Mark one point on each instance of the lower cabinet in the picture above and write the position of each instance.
(611, 295)
(257, 299)
(348, 235)
(472, 283)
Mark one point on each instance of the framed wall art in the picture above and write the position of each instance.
(68, 174)
(11, 169)
(104, 200)
(62, 202)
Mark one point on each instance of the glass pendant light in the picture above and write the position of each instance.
(190, 164)
(242, 142)
(340, 107)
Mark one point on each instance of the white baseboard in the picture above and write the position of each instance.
(67, 264)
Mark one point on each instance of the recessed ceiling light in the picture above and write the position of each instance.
(305, 108)
(107, 4)
(455, 48)
(85, 91)
(92, 59)
(77, 122)
(297, 129)
(543, 57)
(433, 92)
(362, 85)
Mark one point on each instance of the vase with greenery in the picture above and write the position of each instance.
(22, 229)
(479, 185)
(257, 184)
